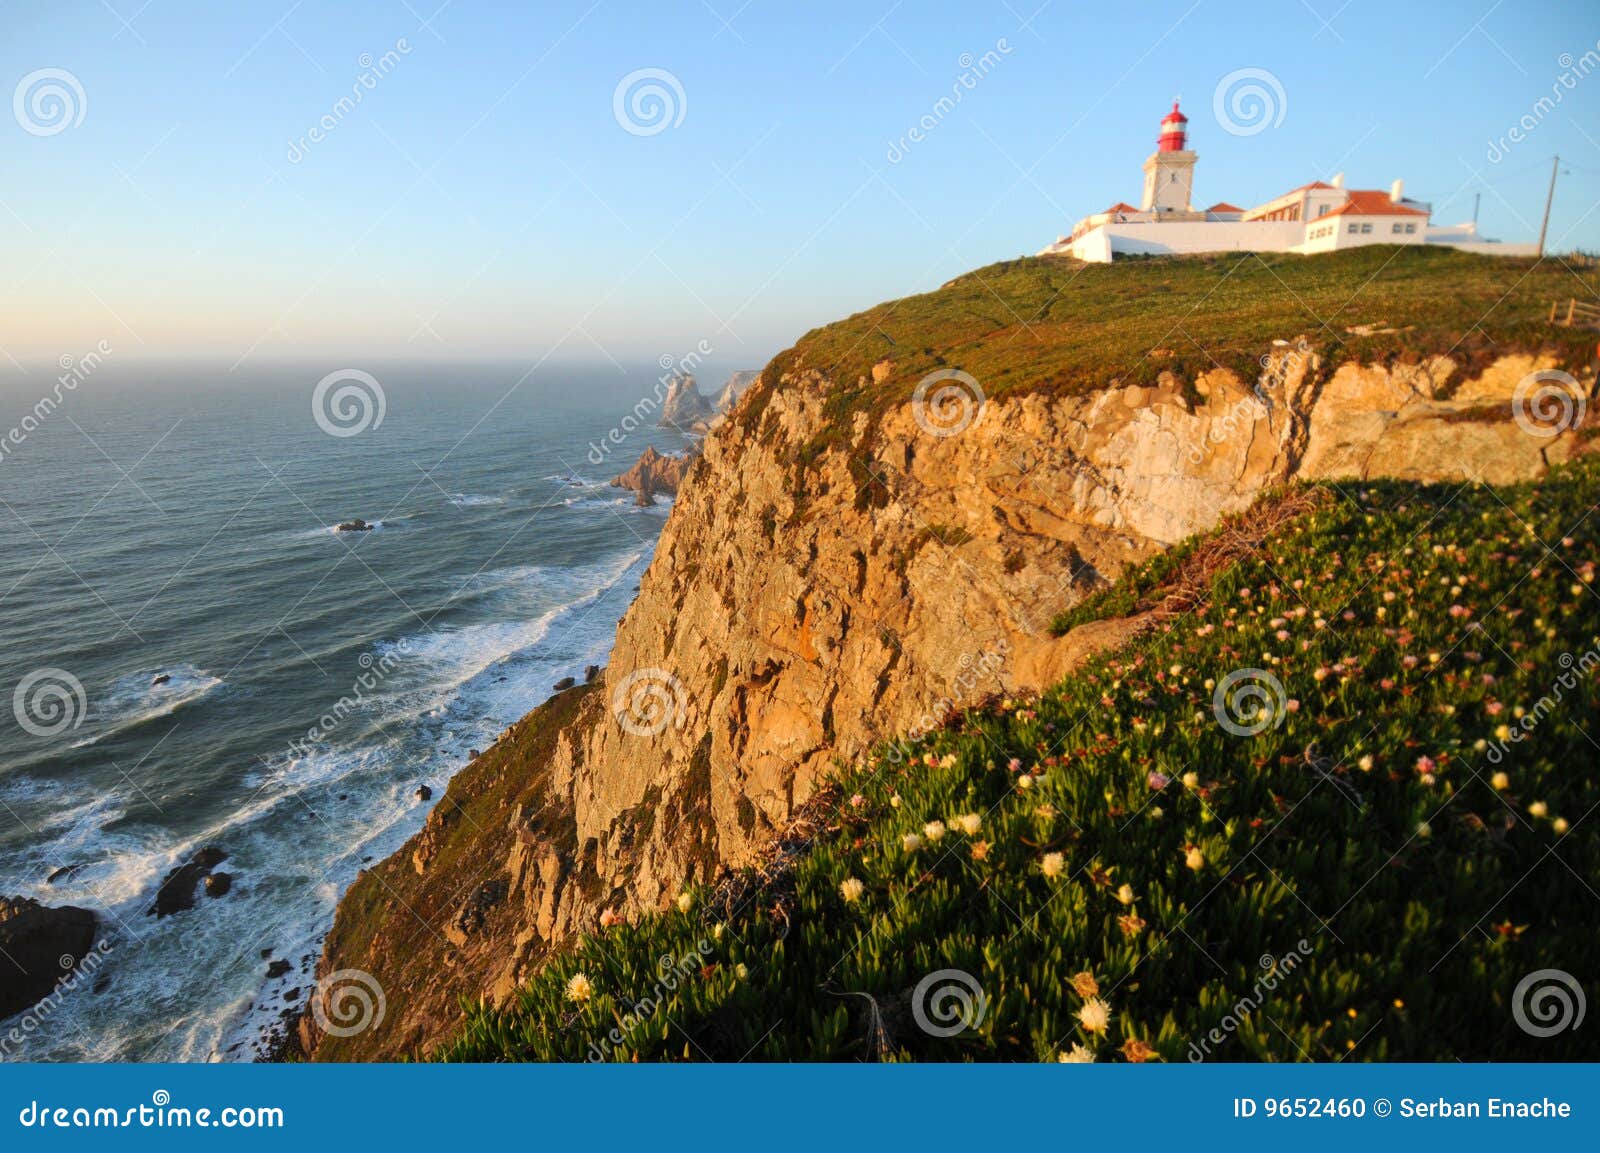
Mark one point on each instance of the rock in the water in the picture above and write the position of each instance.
(355, 525)
(565, 683)
(35, 940)
(590, 673)
(278, 969)
(178, 887)
(160, 679)
(424, 793)
(685, 405)
(64, 873)
(218, 884)
(654, 473)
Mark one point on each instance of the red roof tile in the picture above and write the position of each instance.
(1373, 202)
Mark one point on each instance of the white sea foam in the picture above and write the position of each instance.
(135, 699)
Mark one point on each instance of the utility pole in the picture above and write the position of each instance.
(1477, 198)
(1544, 225)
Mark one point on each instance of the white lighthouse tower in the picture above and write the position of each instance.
(1169, 173)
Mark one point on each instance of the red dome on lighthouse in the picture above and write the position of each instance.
(1174, 133)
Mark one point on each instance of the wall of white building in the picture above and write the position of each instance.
(1172, 237)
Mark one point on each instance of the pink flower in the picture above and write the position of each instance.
(1014, 764)
(1292, 705)
(1426, 764)
(858, 801)
(1158, 780)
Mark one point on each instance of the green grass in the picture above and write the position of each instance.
(1354, 869)
(1048, 324)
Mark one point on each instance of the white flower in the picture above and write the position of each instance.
(1077, 1055)
(934, 831)
(1191, 780)
(1025, 781)
(970, 824)
(685, 902)
(911, 842)
(1195, 859)
(1053, 864)
(851, 889)
(1365, 764)
(1125, 894)
(1095, 1015)
(579, 988)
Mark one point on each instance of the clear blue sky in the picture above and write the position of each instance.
(483, 199)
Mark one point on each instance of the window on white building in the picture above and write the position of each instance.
(1411, 228)
(1355, 228)
(1366, 228)
(1395, 227)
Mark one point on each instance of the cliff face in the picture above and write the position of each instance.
(795, 613)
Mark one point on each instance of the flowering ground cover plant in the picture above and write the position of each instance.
(1341, 809)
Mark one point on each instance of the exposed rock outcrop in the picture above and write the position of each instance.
(39, 946)
(794, 614)
(738, 384)
(685, 407)
(177, 891)
(654, 473)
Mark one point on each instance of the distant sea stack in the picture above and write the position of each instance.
(691, 411)
(686, 408)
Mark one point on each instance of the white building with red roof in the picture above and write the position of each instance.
(1316, 217)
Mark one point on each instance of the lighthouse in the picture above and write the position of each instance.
(1169, 172)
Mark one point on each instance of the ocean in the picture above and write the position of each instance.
(192, 656)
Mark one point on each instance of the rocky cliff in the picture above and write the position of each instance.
(806, 601)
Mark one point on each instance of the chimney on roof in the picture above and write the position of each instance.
(1338, 180)
(1397, 191)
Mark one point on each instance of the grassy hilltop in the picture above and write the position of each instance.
(1051, 324)
(1389, 833)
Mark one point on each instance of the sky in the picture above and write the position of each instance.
(495, 192)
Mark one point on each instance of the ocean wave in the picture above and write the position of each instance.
(475, 500)
(136, 699)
